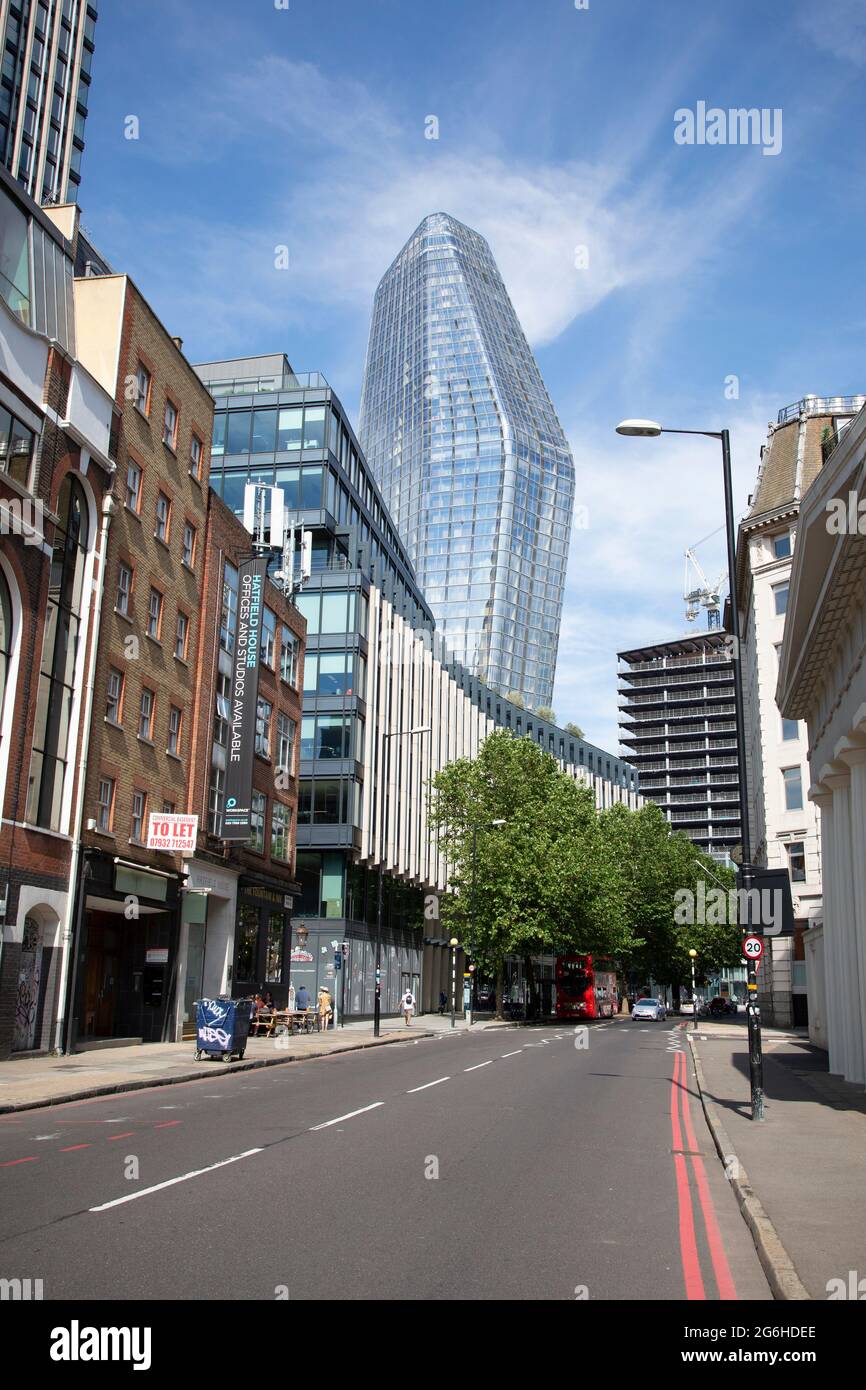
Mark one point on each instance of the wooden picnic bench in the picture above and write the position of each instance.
(277, 1021)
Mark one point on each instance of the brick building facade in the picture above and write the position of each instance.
(128, 926)
(56, 451)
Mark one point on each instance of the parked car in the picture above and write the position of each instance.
(651, 1009)
(687, 1007)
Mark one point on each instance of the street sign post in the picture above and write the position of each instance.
(753, 948)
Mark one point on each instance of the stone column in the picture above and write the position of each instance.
(852, 751)
(833, 975)
(838, 778)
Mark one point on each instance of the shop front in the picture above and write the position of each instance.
(262, 941)
(125, 967)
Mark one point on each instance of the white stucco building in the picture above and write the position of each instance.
(784, 824)
(822, 681)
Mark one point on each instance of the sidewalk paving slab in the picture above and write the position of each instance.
(31, 1082)
(798, 1175)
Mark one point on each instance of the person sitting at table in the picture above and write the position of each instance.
(257, 1009)
(269, 1000)
(302, 999)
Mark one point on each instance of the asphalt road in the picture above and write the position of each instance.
(509, 1163)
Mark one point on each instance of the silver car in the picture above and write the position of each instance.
(651, 1009)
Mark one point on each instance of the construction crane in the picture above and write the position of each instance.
(703, 594)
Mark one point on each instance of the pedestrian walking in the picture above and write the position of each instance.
(407, 1006)
(325, 1009)
(443, 1000)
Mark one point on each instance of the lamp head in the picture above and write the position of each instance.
(644, 429)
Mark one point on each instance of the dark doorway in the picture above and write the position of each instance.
(101, 977)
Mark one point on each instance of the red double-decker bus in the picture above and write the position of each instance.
(584, 990)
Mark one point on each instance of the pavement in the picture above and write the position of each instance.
(31, 1082)
(518, 1163)
(798, 1175)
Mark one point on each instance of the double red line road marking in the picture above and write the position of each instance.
(694, 1280)
(73, 1148)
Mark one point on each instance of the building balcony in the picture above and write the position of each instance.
(820, 405)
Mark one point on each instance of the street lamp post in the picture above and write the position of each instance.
(651, 429)
(693, 953)
(454, 943)
(383, 798)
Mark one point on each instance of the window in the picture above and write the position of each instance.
(105, 804)
(286, 730)
(264, 431)
(16, 440)
(793, 780)
(238, 432)
(169, 425)
(335, 673)
(269, 638)
(195, 455)
(290, 429)
(221, 712)
(790, 729)
(142, 389)
(139, 813)
(124, 589)
(163, 517)
(797, 861)
(229, 614)
(175, 716)
(133, 486)
(145, 714)
(281, 817)
(215, 801)
(218, 436)
(258, 814)
(114, 700)
(154, 614)
(60, 655)
(289, 649)
(782, 546)
(264, 711)
(181, 636)
(314, 427)
(780, 599)
(189, 545)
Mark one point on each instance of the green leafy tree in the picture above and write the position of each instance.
(574, 729)
(546, 712)
(544, 881)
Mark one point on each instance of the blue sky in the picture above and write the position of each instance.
(305, 127)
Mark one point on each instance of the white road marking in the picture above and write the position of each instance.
(169, 1107)
(37, 1137)
(351, 1115)
(122, 1120)
(479, 1064)
(512, 1054)
(427, 1085)
(185, 1177)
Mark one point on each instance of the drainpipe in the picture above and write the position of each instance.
(70, 935)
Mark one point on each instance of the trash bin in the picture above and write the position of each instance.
(222, 1027)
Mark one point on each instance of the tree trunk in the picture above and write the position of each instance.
(531, 1006)
(500, 986)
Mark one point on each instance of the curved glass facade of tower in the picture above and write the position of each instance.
(469, 454)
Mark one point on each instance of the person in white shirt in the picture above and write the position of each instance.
(407, 1006)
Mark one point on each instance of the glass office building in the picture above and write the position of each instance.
(375, 670)
(470, 457)
(47, 53)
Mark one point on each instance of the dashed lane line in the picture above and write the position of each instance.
(172, 1182)
(427, 1085)
(350, 1116)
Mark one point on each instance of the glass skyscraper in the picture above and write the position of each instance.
(470, 457)
(45, 92)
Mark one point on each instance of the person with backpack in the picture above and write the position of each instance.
(407, 1006)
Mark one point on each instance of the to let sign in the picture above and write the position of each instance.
(176, 834)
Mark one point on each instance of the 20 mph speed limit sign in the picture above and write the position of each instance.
(753, 947)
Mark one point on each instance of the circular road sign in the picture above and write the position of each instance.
(753, 947)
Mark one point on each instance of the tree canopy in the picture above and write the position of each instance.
(535, 869)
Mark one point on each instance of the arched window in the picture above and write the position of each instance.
(5, 642)
(59, 658)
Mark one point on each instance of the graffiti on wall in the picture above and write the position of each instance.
(29, 976)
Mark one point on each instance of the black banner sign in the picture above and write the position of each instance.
(242, 701)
